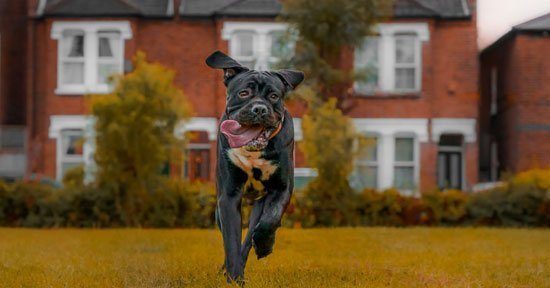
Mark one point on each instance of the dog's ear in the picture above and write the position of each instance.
(291, 78)
(219, 60)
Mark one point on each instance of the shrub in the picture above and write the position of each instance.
(523, 201)
(448, 207)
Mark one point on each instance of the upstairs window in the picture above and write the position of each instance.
(88, 54)
(391, 61)
(258, 46)
(406, 62)
(72, 58)
(366, 61)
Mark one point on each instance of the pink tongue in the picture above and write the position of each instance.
(238, 135)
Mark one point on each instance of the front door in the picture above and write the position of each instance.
(449, 170)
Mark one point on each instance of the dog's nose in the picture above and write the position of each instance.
(259, 109)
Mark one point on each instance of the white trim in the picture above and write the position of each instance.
(465, 7)
(298, 133)
(230, 27)
(305, 172)
(91, 29)
(463, 126)
(392, 126)
(208, 124)
(170, 8)
(41, 6)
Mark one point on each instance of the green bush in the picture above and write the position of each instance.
(522, 201)
(448, 207)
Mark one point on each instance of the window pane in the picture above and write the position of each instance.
(404, 149)
(244, 44)
(441, 171)
(404, 78)
(368, 151)
(73, 73)
(105, 47)
(105, 71)
(73, 143)
(403, 177)
(366, 61)
(279, 46)
(404, 49)
(455, 170)
(68, 165)
(73, 44)
(365, 177)
(109, 43)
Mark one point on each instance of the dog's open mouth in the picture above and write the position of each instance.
(253, 138)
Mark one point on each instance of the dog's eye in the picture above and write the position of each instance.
(274, 97)
(244, 93)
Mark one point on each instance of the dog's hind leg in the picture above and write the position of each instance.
(252, 222)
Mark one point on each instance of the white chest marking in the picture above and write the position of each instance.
(247, 161)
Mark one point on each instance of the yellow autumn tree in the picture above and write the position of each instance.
(135, 134)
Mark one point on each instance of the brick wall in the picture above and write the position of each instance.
(13, 41)
(521, 128)
(449, 81)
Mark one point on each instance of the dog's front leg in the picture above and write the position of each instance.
(229, 205)
(264, 233)
(253, 221)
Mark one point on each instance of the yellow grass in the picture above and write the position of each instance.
(371, 257)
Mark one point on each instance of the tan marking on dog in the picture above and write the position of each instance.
(246, 161)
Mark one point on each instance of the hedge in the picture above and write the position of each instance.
(523, 201)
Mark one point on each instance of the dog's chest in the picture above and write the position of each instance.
(257, 168)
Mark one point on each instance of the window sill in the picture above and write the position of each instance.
(388, 95)
(81, 91)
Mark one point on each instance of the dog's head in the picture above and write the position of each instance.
(255, 105)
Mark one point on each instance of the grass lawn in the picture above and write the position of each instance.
(346, 257)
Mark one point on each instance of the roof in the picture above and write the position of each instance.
(110, 8)
(445, 9)
(537, 25)
(541, 23)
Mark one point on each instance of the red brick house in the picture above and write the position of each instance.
(515, 100)
(13, 65)
(420, 104)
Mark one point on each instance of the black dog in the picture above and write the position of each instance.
(255, 158)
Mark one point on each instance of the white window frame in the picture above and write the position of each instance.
(261, 40)
(91, 53)
(388, 129)
(386, 57)
(61, 123)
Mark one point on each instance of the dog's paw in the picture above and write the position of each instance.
(263, 240)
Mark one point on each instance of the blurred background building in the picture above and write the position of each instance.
(421, 104)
